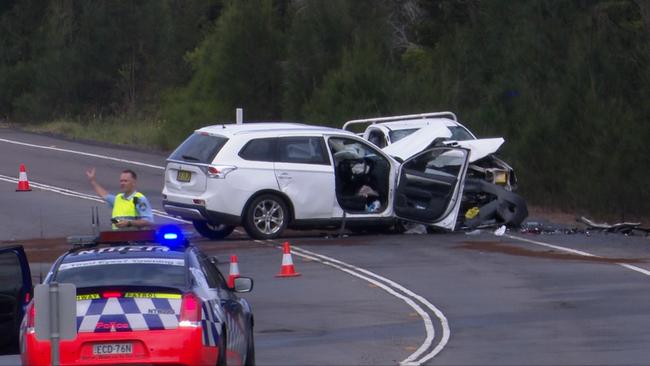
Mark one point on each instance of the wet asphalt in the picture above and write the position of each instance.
(507, 300)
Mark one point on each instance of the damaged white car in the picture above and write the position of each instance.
(271, 176)
(487, 196)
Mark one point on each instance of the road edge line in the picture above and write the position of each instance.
(578, 252)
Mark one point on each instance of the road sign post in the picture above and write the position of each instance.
(56, 314)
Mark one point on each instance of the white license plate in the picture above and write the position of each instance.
(112, 349)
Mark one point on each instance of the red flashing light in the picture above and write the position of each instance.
(111, 294)
(27, 298)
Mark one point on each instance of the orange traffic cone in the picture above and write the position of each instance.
(287, 269)
(234, 271)
(23, 183)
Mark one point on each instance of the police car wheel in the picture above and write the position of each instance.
(213, 231)
(266, 217)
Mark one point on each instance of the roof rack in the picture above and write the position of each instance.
(399, 118)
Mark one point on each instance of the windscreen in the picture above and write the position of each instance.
(199, 148)
(124, 272)
(458, 133)
(397, 135)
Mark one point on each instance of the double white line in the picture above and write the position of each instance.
(425, 309)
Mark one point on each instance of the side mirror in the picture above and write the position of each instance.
(243, 284)
(214, 260)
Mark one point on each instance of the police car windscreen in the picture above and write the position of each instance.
(124, 272)
(199, 148)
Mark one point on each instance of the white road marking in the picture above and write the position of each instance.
(410, 360)
(98, 156)
(81, 195)
(578, 252)
(391, 287)
(446, 332)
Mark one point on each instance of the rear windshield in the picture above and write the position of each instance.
(199, 148)
(124, 272)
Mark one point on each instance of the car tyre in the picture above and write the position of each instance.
(266, 217)
(213, 231)
(250, 352)
(222, 361)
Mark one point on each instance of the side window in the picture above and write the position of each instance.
(438, 162)
(11, 277)
(302, 150)
(377, 138)
(343, 148)
(212, 274)
(259, 150)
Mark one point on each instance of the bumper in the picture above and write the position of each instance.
(178, 347)
(197, 212)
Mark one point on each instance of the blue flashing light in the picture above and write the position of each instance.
(171, 236)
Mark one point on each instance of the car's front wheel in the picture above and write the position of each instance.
(266, 217)
(213, 231)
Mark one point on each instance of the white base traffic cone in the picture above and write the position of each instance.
(23, 182)
(234, 271)
(287, 269)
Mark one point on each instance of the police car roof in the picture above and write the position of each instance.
(122, 252)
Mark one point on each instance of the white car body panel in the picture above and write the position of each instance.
(421, 139)
(305, 185)
(416, 142)
(482, 147)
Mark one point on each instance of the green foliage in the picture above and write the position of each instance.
(563, 81)
(236, 65)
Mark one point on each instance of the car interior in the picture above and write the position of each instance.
(362, 176)
(427, 183)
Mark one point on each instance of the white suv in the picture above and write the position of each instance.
(270, 176)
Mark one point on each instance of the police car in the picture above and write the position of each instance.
(145, 301)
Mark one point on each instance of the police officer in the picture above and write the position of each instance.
(131, 209)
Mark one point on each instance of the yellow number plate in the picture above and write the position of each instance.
(183, 176)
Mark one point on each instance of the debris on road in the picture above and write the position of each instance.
(500, 231)
(414, 228)
(474, 232)
(627, 228)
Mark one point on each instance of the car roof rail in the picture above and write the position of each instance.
(399, 118)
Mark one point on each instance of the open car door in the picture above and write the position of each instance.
(430, 186)
(15, 293)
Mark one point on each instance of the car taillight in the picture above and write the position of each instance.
(111, 294)
(220, 171)
(31, 315)
(190, 311)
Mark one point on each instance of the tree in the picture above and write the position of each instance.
(237, 65)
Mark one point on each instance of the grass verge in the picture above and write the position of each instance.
(141, 133)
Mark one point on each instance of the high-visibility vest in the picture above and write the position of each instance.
(124, 209)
